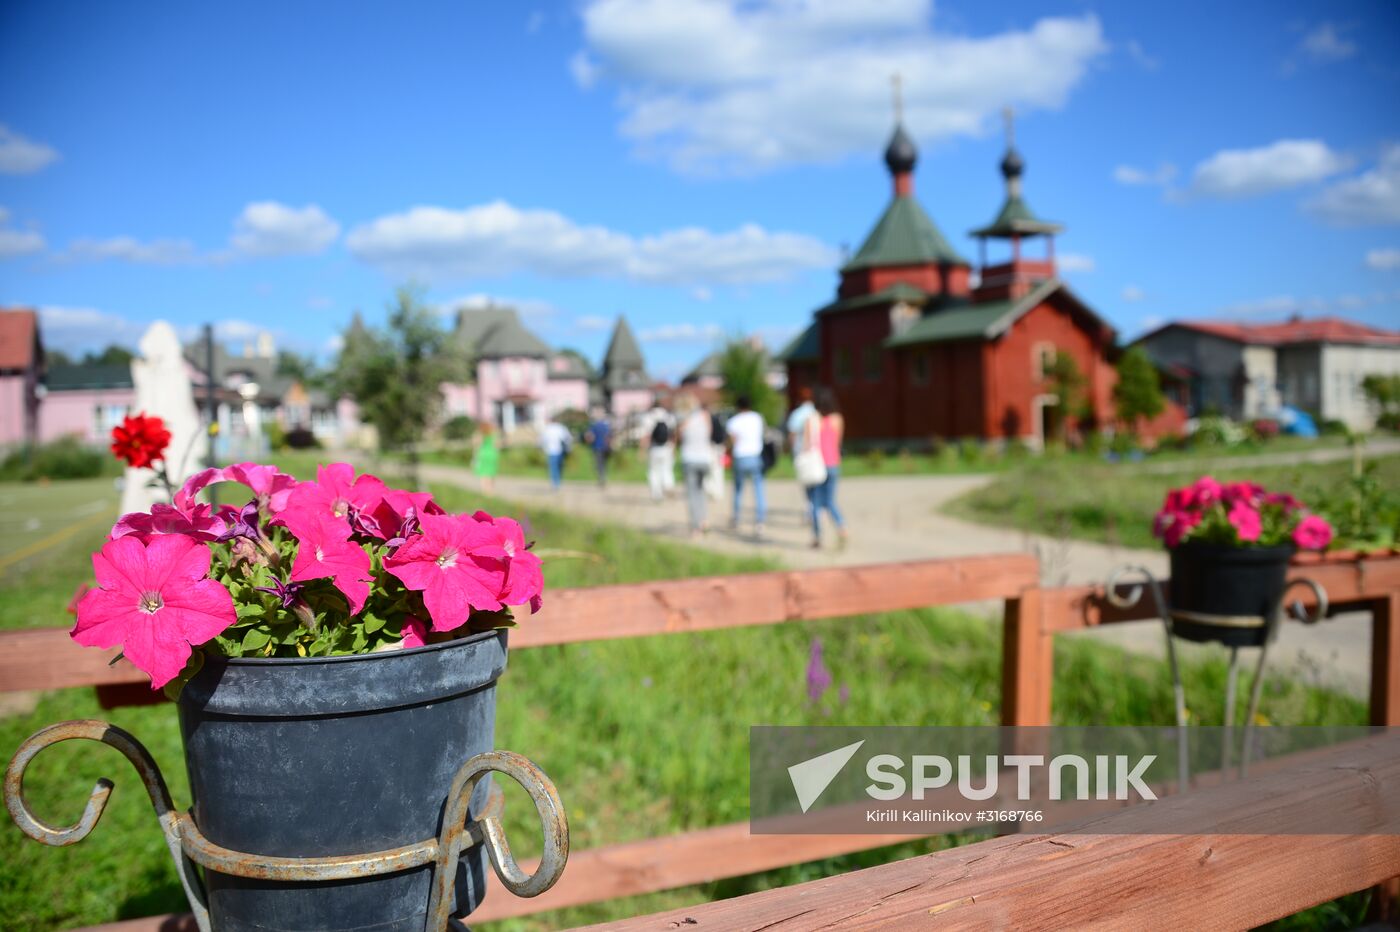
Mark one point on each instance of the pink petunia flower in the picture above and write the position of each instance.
(324, 550)
(337, 490)
(397, 505)
(272, 487)
(1181, 524)
(1206, 491)
(1245, 518)
(155, 600)
(1313, 533)
(415, 633)
(457, 562)
(196, 520)
(524, 573)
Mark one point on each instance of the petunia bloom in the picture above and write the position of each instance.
(524, 573)
(155, 600)
(457, 562)
(1245, 519)
(415, 633)
(243, 522)
(336, 491)
(195, 520)
(1313, 533)
(324, 550)
(140, 440)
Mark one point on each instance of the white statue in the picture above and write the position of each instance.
(163, 389)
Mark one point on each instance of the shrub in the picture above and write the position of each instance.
(875, 460)
(575, 420)
(1212, 430)
(1334, 428)
(301, 438)
(1263, 429)
(276, 436)
(65, 458)
(459, 428)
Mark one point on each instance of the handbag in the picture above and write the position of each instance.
(810, 467)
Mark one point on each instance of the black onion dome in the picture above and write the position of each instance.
(901, 153)
(1012, 165)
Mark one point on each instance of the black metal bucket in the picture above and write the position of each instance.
(328, 756)
(1229, 583)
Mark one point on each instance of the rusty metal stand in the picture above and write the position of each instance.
(188, 846)
(1148, 581)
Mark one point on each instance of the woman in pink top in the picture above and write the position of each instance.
(824, 431)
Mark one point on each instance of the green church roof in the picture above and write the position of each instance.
(899, 291)
(1017, 219)
(973, 321)
(805, 347)
(904, 235)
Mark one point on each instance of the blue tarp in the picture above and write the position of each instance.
(1295, 422)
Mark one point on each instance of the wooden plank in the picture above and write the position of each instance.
(1385, 660)
(46, 658)
(1238, 879)
(1350, 584)
(1027, 662)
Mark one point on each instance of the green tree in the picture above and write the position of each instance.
(113, 355)
(744, 367)
(1383, 391)
(1066, 382)
(296, 366)
(581, 359)
(395, 374)
(1138, 394)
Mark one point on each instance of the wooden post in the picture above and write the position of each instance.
(1385, 710)
(1385, 660)
(1027, 661)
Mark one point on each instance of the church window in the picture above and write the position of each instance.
(843, 364)
(1043, 358)
(918, 367)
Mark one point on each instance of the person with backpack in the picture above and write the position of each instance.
(746, 441)
(661, 453)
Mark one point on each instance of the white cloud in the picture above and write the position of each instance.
(1138, 54)
(528, 308)
(267, 228)
(15, 243)
(1162, 175)
(1383, 259)
(80, 328)
(22, 156)
(4, 214)
(233, 328)
(1272, 306)
(1372, 197)
(1133, 293)
(1325, 44)
(1074, 262)
(731, 86)
(682, 333)
(1287, 163)
(500, 239)
(591, 323)
(130, 249)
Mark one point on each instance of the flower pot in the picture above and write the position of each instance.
(326, 756)
(1228, 583)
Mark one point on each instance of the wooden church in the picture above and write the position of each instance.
(916, 348)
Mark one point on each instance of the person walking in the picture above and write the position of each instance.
(555, 442)
(697, 458)
(487, 461)
(797, 419)
(719, 438)
(824, 431)
(599, 439)
(661, 453)
(745, 431)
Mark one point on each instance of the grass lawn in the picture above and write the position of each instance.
(1115, 503)
(644, 737)
(954, 458)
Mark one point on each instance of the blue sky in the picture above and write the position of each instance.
(697, 165)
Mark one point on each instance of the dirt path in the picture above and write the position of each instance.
(899, 518)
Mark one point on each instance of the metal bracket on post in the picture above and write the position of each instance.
(189, 847)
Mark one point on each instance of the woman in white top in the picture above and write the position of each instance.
(697, 457)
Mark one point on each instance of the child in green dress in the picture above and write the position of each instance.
(488, 458)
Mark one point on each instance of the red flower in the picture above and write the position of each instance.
(140, 440)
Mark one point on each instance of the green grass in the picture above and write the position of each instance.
(644, 737)
(1114, 504)
(954, 458)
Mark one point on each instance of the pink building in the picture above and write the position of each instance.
(517, 379)
(85, 402)
(21, 372)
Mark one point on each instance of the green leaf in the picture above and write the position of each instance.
(372, 623)
(255, 638)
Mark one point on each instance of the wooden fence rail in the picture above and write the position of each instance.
(47, 659)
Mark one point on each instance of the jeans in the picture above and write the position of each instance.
(824, 496)
(556, 468)
(600, 463)
(746, 469)
(695, 475)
